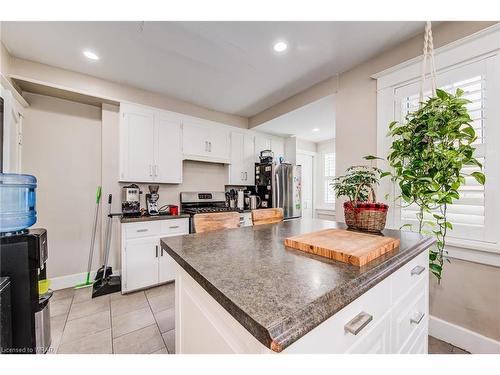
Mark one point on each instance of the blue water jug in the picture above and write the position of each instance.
(17, 202)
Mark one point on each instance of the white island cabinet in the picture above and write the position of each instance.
(144, 263)
(391, 317)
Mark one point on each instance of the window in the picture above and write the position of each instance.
(329, 174)
(471, 216)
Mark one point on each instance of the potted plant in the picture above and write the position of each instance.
(428, 154)
(361, 211)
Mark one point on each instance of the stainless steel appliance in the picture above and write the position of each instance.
(5, 314)
(131, 202)
(279, 186)
(152, 200)
(23, 258)
(254, 202)
(193, 203)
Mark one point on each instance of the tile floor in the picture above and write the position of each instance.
(141, 322)
(441, 347)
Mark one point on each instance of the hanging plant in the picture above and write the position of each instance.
(428, 154)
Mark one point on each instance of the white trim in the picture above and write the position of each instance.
(462, 337)
(476, 46)
(8, 86)
(69, 281)
(446, 47)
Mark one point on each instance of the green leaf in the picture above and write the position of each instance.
(384, 174)
(371, 157)
(441, 94)
(479, 177)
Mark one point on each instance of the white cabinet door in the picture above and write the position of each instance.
(278, 147)
(262, 142)
(236, 175)
(248, 159)
(194, 139)
(137, 130)
(218, 143)
(166, 267)
(142, 262)
(168, 154)
(376, 340)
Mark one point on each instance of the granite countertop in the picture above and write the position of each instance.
(135, 219)
(279, 294)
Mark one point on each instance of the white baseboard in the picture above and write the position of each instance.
(69, 281)
(462, 337)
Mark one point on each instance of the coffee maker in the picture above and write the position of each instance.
(23, 257)
(131, 203)
(152, 200)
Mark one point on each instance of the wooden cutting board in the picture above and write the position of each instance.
(343, 245)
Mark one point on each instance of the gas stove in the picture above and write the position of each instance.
(204, 210)
(193, 203)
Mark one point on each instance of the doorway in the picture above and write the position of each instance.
(306, 161)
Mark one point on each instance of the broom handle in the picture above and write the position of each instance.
(94, 229)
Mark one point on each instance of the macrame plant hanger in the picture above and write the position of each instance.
(428, 55)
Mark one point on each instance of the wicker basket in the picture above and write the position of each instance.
(366, 216)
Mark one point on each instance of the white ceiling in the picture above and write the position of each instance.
(225, 66)
(301, 122)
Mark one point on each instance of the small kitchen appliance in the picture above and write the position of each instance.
(266, 156)
(131, 203)
(152, 200)
(254, 202)
(23, 257)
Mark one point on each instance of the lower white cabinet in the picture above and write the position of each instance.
(391, 317)
(144, 264)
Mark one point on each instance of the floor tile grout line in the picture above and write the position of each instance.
(65, 322)
(157, 325)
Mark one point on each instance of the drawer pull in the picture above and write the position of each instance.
(174, 227)
(359, 322)
(417, 270)
(417, 318)
(142, 230)
(156, 251)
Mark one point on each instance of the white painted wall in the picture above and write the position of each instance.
(62, 148)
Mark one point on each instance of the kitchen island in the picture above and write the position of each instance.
(242, 291)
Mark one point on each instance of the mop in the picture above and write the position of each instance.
(88, 282)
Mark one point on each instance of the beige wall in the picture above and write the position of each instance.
(304, 145)
(88, 85)
(469, 296)
(4, 59)
(62, 148)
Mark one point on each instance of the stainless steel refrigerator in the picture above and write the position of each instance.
(287, 189)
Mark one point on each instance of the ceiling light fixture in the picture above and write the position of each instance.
(280, 47)
(316, 130)
(90, 55)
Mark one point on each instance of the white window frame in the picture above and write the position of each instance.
(321, 205)
(482, 46)
(327, 179)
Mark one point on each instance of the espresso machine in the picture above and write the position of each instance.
(131, 203)
(152, 200)
(23, 257)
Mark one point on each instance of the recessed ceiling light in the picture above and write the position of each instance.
(280, 46)
(316, 130)
(90, 55)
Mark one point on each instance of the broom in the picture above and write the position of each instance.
(88, 282)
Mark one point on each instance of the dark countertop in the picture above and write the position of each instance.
(135, 219)
(279, 294)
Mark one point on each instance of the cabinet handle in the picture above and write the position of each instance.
(417, 270)
(156, 250)
(209, 146)
(142, 230)
(417, 318)
(150, 170)
(174, 226)
(359, 322)
(156, 169)
(246, 176)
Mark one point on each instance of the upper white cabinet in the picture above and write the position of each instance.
(268, 142)
(241, 170)
(150, 148)
(205, 141)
